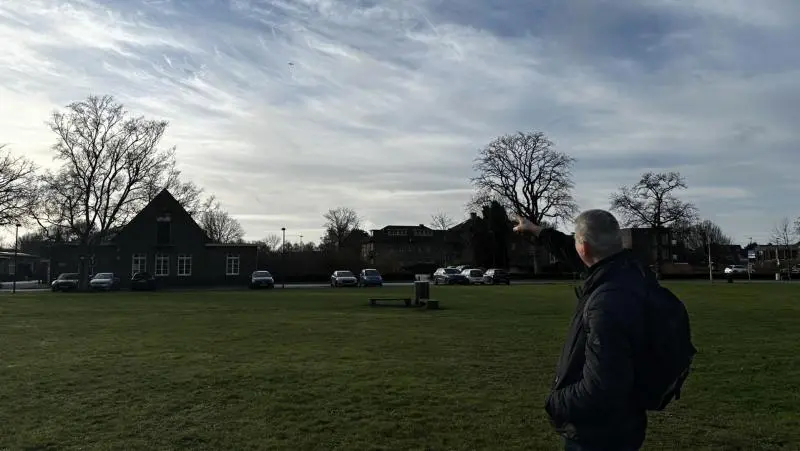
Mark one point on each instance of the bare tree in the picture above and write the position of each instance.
(18, 188)
(651, 202)
(220, 226)
(528, 176)
(108, 160)
(272, 242)
(699, 235)
(783, 235)
(339, 224)
(441, 221)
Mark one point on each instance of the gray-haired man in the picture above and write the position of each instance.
(592, 402)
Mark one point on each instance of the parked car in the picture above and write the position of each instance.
(67, 281)
(343, 278)
(736, 269)
(262, 278)
(104, 281)
(143, 281)
(449, 276)
(496, 276)
(473, 275)
(370, 278)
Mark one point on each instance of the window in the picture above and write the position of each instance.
(138, 263)
(398, 232)
(162, 265)
(232, 265)
(163, 229)
(423, 232)
(184, 265)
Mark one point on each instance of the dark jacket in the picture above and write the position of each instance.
(592, 399)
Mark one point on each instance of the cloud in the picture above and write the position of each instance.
(286, 109)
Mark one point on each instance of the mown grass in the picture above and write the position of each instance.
(304, 369)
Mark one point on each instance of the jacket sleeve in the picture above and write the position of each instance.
(608, 372)
(562, 246)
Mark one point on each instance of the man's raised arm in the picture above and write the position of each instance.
(557, 243)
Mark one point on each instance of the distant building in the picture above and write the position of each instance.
(394, 247)
(164, 240)
(646, 243)
(28, 266)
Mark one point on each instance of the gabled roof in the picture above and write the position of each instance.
(162, 201)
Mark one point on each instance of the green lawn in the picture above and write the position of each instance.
(320, 369)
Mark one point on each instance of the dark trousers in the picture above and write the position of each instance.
(569, 445)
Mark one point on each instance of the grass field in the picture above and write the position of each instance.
(320, 369)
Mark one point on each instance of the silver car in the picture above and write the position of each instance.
(343, 279)
(104, 281)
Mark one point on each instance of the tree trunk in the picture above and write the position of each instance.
(659, 248)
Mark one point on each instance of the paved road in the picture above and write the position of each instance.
(33, 287)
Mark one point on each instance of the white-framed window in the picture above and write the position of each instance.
(232, 265)
(184, 265)
(162, 265)
(138, 263)
(398, 232)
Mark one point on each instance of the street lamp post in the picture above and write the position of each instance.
(16, 247)
(710, 267)
(283, 257)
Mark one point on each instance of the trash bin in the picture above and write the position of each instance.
(729, 276)
(422, 290)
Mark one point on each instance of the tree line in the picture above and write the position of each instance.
(111, 163)
(525, 174)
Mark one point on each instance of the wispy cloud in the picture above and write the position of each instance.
(285, 109)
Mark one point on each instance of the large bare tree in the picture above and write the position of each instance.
(441, 221)
(18, 188)
(220, 226)
(109, 159)
(652, 202)
(699, 235)
(339, 224)
(528, 176)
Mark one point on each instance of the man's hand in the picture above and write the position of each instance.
(524, 225)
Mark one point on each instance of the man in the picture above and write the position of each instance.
(592, 402)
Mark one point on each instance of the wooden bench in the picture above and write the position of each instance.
(374, 301)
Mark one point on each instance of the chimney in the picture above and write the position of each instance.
(422, 226)
(473, 215)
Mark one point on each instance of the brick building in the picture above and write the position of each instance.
(164, 240)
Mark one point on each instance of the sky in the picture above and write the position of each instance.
(285, 109)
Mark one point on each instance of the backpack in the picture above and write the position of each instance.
(669, 350)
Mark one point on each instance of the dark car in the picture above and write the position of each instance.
(370, 278)
(449, 276)
(262, 278)
(67, 281)
(496, 276)
(143, 281)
